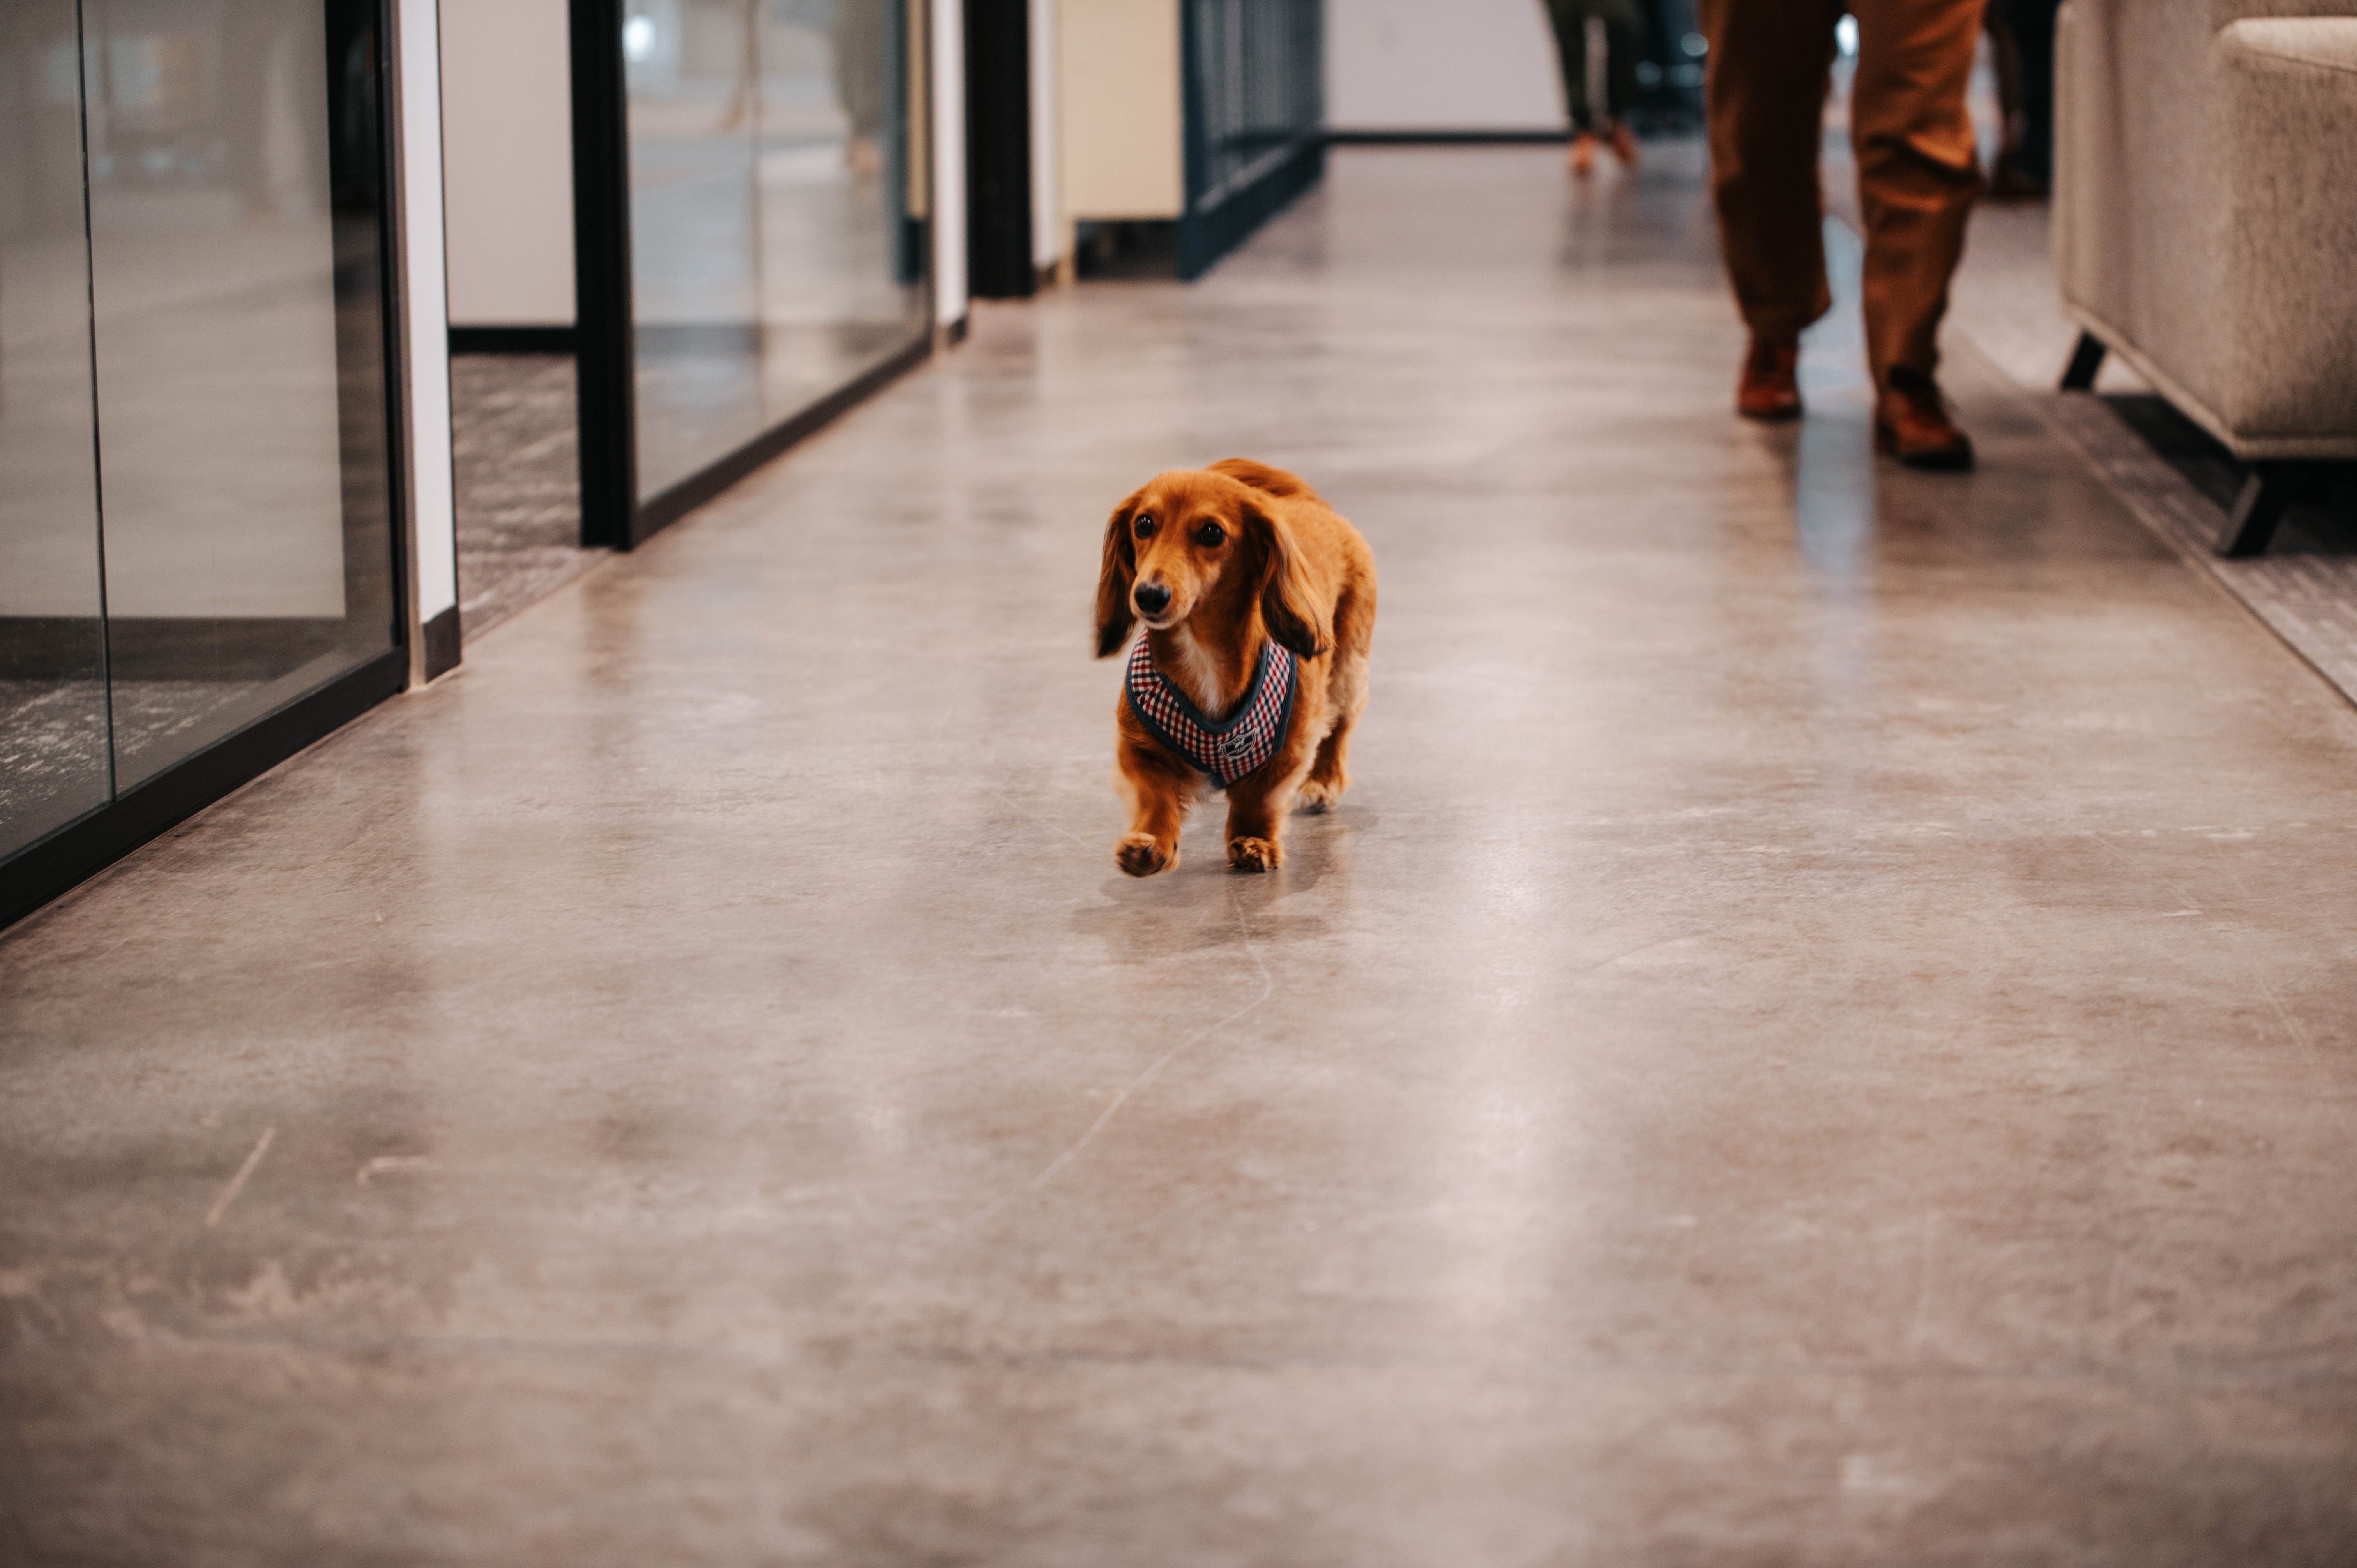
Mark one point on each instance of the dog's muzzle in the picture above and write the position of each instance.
(1151, 599)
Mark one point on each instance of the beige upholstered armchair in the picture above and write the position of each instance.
(2205, 223)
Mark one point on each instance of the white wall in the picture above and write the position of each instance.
(1440, 65)
(949, 161)
(507, 123)
(433, 520)
(1047, 149)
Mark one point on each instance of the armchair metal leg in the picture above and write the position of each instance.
(2085, 361)
(2271, 490)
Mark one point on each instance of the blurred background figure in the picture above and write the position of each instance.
(859, 85)
(1620, 25)
(271, 90)
(2021, 44)
(1770, 63)
(856, 29)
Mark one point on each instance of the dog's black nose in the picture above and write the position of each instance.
(1152, 598)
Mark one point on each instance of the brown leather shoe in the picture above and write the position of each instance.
(1770, 387)
(1912, 423)
(1583, 154)
(1625, 144)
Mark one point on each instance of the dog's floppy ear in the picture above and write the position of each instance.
(1115, 617)
(1293, 612)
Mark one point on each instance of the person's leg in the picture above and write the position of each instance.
(1917, 173)
(2033, 33)
(2005, 63)
(1624, 40)
(1623, 33)
(1770, 62)
(1569, 18)
(862, 37)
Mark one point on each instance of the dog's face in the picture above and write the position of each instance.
(1182, 543)
(1188, 540)
(1167, 549)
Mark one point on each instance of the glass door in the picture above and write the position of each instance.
(195, 527)
(775, 253)
(235, 175)
(56, 762)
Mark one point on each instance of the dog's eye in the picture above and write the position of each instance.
(1145, 526)
(1211, 535)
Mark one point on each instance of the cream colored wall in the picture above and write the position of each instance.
(1124, 156)
(506, 129)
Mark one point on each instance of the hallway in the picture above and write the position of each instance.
(1823, 1034)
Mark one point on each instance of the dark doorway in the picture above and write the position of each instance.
(998, 149)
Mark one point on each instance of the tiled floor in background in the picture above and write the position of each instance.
(514, 435)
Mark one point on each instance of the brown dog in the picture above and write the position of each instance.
(1259, 604)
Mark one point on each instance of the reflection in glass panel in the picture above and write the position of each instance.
(53, 742)
(234, 182)
(774, 252)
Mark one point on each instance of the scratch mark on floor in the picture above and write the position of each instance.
(2319, 1070)
(384, 1163)
(1138, 1084)
(237, 1183)
(1922, 1321)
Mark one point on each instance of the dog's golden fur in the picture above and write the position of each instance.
(1247, 553)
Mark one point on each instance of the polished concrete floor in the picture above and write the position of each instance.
(1825, 1033)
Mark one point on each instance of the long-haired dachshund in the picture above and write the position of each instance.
(1259, 604)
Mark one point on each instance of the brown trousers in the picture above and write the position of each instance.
(1771, 69)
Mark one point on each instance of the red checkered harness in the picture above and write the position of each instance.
(1227, 751)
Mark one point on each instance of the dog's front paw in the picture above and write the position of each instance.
(1254, 854)
(1140, 856)
(1320, 795)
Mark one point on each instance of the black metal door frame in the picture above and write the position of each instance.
(604, 360)
(605, 327)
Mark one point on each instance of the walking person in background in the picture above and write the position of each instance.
(861, 47)
(1770, 65)
(1620, 25)
(2024, 167)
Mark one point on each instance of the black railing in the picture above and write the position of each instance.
(1255, 109)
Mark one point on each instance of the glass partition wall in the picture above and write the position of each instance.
(1254, 83)
(196, 519)
(56, 754)
(775, 217)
